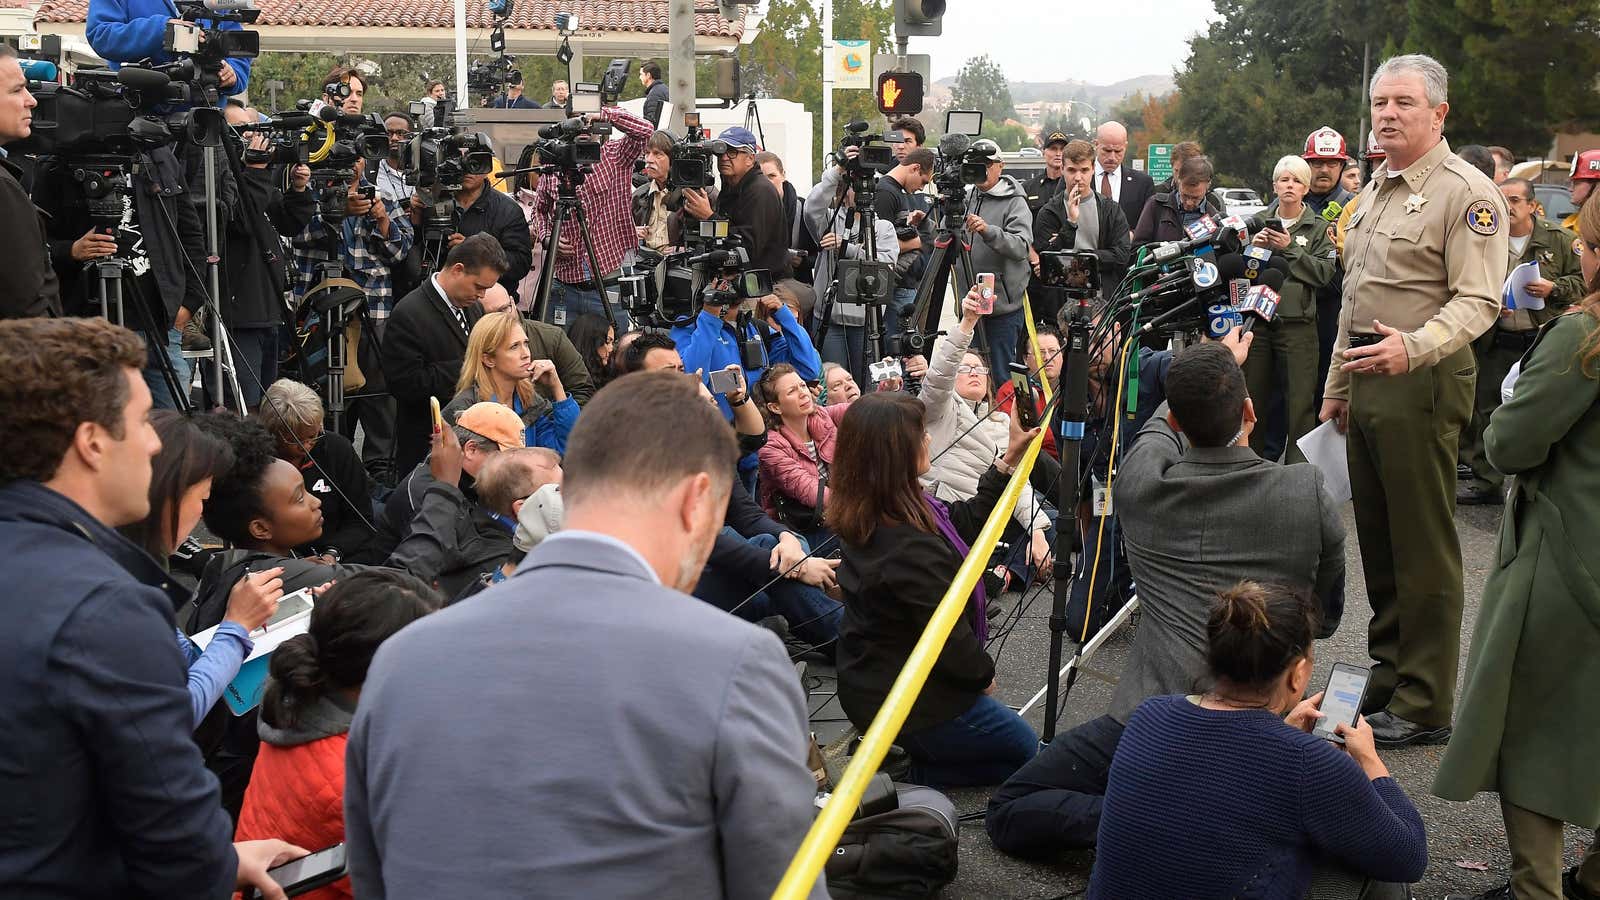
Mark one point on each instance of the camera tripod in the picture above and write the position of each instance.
(951, 247)
(872, 347)
(567, 209)
(116, 287)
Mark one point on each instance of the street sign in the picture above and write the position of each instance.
(1158, 162)
(920, 63)
(852, 65)
(899, 94)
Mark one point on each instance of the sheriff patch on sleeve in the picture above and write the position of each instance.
(1482, 218)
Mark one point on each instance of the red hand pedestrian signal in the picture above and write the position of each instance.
(899, 93)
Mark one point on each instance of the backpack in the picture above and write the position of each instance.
(908, 852)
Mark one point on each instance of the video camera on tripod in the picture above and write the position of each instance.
(874, 157)
(207, 46)
(437, 160)
(664, 289)
(334, 143)
(693, 157)
(571, 145)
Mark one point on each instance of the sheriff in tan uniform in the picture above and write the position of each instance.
(1425, 259)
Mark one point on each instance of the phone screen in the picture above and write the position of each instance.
(1022, 397)
(310, 871)
(1341, 701)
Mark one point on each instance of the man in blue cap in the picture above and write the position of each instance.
(753, 209)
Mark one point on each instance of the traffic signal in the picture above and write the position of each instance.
(918, 18)
(899, 93)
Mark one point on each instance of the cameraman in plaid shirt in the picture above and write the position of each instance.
(607, 199)
(374, 236)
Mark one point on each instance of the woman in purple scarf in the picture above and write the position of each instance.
(901, 551)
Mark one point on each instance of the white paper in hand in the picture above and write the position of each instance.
(1324, 448)
(1515, 293)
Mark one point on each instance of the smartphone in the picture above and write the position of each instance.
(438, 417)
(726, 381)
(1342, 699)
(1364, 340)
(1273, 225)
(986, 292)
(1022, 394)
(309, 872)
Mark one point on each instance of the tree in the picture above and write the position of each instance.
(982, 85)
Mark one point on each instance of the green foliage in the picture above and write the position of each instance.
(1009, 137)
(1268, 73)
(981, 84)
(785, 61)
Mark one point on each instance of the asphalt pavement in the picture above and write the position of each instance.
(1466, 841)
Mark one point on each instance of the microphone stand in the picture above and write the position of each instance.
(1074, 412)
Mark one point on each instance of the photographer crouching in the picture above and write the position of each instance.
(606, 196)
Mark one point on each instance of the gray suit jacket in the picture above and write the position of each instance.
(577, 731)
(1196, 521)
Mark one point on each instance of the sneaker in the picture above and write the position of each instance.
(1463, 472)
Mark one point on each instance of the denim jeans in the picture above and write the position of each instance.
(160, 396)
(899, 307)
(846, 345)
(1053, 803)
(255, 360)
(812, 615)
(1001, 331)
(983, 745)
(568, 302)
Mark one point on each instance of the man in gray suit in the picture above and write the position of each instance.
(1200, 511)
(586, 728)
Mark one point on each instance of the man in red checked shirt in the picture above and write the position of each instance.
(607, 200)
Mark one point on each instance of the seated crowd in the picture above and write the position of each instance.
(553, 649)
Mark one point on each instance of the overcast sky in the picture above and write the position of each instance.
(1053, 40)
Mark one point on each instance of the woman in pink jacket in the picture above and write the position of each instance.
(798, 452)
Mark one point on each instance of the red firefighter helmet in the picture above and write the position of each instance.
(1586, 165)
(1375, 152)
(1325, 143)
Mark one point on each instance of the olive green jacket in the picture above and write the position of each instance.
(1551, 245)
(1528, 725)
(1312, 261)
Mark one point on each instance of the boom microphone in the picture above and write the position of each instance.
(953, 144)
(143, 79)
(38, 69)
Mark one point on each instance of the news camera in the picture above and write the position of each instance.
(693, 158)
(572, 145)
(664, 289)
(335, 142)
(116, 112)
(206, 46)
(490, 77)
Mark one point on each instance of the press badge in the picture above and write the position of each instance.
(1102, 499)
(560, 316)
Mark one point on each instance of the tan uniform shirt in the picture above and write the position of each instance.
(1425, 252)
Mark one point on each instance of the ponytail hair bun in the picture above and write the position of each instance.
(1256, 631)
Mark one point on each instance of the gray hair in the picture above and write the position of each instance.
(1435, 80)
(288, 404)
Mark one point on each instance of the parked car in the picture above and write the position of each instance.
(1239, 201)
(1556, 200)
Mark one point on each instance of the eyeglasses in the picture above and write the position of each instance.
(972, 370)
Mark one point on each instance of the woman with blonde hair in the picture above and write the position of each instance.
(1528, 727)
(498, 367)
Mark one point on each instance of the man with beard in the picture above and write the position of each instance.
(682, 728)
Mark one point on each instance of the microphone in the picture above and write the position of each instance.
(1201, 232)
(1260, 303)
(953, 144)
(143, 79)
(1161, 285)
(38, 70)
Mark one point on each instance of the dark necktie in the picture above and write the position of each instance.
(461, 317)
(1105, 184)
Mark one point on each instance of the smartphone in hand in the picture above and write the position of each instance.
(438, 417)
(1341, 700)
(986, 292)
(1022, 397)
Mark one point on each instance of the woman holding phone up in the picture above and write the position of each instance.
(1528, 726)
(1228, 794)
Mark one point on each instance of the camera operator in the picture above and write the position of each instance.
(900, 200)
(998, 217)
(391, 179)
(98, 759)
(1077, 218)
(254, 310)
(753, 209)
(655, 93)
(480, 209)
(29, 286)
(912, 137)
(125, 31)
(840, 230)
(1276, 523)
(345, 89)
(512, 98)
(606, 196)
(658, 211)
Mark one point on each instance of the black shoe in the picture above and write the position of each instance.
(1463, 473)
(1389, 730)
(1473, 495)
(1503, 892)
(1570, 888)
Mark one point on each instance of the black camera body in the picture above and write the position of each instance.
(437, 160)
(115, 112)
(694, 160)
(572, 145)
(664, 289)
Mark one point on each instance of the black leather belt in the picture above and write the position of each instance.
(1514, 340)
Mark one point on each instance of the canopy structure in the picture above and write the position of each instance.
(632, 28)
